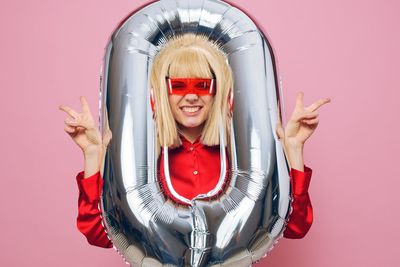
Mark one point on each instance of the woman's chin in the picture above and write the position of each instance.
(191, 123)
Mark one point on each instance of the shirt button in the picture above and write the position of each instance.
(191, 148)
(195, 172)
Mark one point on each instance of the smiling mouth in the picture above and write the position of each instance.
(192, 109)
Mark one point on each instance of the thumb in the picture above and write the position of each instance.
(280, 132)
(107, 137)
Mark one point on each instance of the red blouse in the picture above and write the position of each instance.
(194, 169)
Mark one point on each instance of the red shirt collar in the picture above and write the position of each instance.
(187, 144)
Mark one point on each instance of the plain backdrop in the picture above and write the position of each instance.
(51, 52)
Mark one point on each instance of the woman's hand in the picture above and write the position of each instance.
(82, 129)
(300, 127)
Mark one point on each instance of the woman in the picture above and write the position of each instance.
(191, 83)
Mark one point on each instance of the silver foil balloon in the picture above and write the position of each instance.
(239, 227)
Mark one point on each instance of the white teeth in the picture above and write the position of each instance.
(190, 109)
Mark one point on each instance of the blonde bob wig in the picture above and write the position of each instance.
(191, 56)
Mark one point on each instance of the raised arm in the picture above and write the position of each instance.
(82, 129)
(301, 125)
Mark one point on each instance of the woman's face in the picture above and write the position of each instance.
(190, 111)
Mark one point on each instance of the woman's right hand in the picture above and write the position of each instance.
(82, 128)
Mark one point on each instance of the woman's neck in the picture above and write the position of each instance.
(191, 133)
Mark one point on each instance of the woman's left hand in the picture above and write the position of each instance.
(302, 123)
(300, 127)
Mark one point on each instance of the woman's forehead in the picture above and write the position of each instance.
(190, 69)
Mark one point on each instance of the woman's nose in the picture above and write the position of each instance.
(191, 97)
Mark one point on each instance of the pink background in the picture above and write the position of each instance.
(51, 53)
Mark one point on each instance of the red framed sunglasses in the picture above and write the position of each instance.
(198, 86)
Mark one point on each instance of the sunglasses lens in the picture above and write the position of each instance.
(178, 86)
(203, 86)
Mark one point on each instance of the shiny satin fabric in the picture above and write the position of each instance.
(239, 227)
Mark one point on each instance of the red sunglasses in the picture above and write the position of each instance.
(183, 86)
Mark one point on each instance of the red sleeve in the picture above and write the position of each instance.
(301, 217)
(89, 220)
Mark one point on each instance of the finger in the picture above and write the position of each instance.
(280, 131)
(317, 104)
(307, 115)
(81, 120)
(107, 124)
(85, 105)
(77, 122)
(107, 138)
(299, 100)
(108, 130)
(69, 129)
(312, 121)
(69, 111)
(279, 111)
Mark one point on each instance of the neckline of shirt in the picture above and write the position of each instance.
(187, 144)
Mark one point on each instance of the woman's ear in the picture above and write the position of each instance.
(152, 101)
(230, 104)
(230, 101)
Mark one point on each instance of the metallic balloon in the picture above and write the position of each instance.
(240, 226)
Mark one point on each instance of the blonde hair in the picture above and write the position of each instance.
(190, 55)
